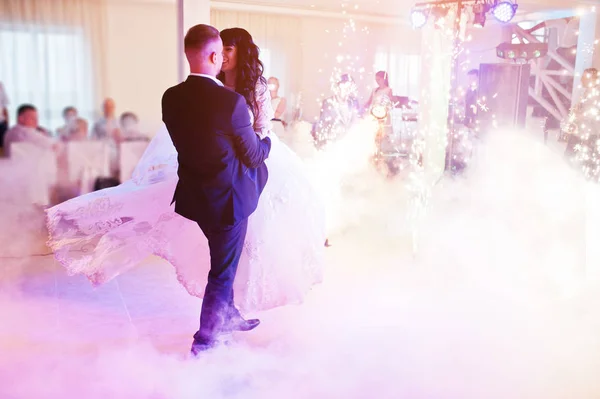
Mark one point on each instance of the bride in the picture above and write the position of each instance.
(105, 233)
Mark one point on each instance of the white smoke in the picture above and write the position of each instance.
(497, 303)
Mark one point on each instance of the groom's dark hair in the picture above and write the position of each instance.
(199, 36)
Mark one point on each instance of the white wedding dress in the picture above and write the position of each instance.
(106, 233)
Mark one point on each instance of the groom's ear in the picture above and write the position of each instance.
(214, 58)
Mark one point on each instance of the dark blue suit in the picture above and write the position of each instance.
(221, 176)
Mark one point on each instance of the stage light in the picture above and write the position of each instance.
(504, 11)
(418, 18)
(479, 18)
(521, 51)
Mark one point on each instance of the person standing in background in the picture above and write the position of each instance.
(279, 106)
(107, 129)
(382, 93)
(338, 112)
(471, 98)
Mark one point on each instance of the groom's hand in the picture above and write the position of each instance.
(250, 148)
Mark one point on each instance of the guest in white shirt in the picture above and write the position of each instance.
(107, 127)
(3, 113)
(27, 130)
(70, 116)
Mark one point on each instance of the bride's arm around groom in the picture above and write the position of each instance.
(250, 148)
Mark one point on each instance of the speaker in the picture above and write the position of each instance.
(504, 89)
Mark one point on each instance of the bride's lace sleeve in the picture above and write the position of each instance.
(264, 113)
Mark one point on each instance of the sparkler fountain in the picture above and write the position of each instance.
(443, 38)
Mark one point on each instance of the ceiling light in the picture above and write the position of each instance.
(418, 18)
(504, 11)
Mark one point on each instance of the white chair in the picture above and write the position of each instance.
(87, 160)
(36, 170)
(130, 154)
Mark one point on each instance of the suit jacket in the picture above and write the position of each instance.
(221, 160)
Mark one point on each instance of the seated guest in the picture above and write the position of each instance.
(70, 115)
(130, 129)
(78, 131)
(107, 127)
(27, 130)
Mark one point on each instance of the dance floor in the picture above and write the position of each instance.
(495, 304)
(61, 337)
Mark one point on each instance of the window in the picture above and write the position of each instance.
(276, 67)
(404, 72)
(265, 57)
(271, 69)
(49, 68)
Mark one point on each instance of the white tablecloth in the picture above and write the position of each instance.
(87, 160)
(130, 154)
(32, 174)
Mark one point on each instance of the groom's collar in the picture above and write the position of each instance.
(217, 81)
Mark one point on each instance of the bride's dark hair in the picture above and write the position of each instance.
(249, 68)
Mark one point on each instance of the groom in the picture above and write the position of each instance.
(221, 174)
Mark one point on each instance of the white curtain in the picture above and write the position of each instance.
(404, 71)
(51, 56)
(279, 38)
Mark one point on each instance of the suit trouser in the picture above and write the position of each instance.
(226, 245)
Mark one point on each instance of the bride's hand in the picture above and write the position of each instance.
(263, 133)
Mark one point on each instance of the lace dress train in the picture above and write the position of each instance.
(105, 233)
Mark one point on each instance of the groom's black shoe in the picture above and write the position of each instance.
(238, 323)
(201, 346)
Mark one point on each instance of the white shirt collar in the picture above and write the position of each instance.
(208, 76)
